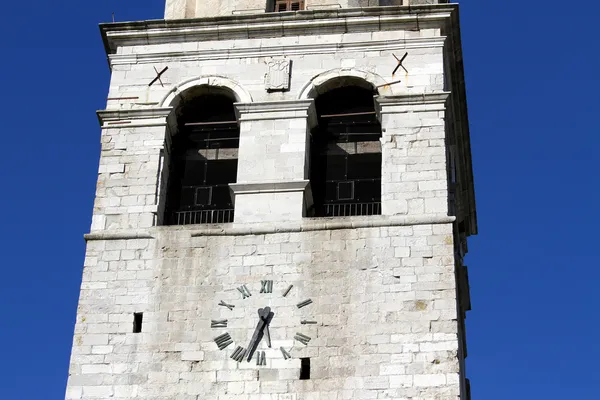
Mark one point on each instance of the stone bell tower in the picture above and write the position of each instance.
(284, 197)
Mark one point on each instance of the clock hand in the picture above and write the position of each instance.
(258, 332)
(268, 319)
(268, 336)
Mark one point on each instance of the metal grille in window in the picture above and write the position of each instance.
(203, 162)
(203, 196)
(346, 155)
(345, 190)
(288, 5)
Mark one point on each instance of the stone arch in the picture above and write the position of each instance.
(205, 84)
(345, 145)
(202, 114)
(340, 77)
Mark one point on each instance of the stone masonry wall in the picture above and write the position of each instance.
(384, 300)
(274, 148)
(383, 288)
(245, 61)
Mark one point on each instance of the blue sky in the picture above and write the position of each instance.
(531, 69)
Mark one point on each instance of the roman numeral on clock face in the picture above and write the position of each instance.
(286, 355)
(261, 358)
(266, 286)
(223, 341)
(229, 306)
(244, 291)
(287, 291)
(302, 338)
(304, 303)
(219, 323)
(238, 354)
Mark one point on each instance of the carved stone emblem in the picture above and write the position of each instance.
(278, 75)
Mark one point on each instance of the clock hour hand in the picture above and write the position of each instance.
(258, 332)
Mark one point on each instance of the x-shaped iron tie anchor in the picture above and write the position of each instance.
(158, 75)
(399, 63)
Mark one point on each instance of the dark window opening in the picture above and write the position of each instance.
(137, 322)
(345, 171)
(304, 368)
(288, 5)
(203, 162)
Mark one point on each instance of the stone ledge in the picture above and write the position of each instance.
(143, 115)
(268, 110)
(273, 24)
(323, 224)
(307, 225)
(117, 235)
(275, 51)
(268, 187)
(413, 99)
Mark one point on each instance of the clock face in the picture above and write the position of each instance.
(265, 321)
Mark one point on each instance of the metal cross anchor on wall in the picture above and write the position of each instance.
(399, 63)
(158, 75)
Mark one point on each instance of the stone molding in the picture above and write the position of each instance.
(323, 224)
(241, 94)
(268, 187)
(306, 225)
(115, 235)
(319, 84)
(155, 116)
(328, 6)
(275, 51)
(411, 102)
(269, 110)
(275, 25)
(248, 11)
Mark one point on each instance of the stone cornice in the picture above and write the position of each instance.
(411, 102)
(144, 116)
(322, 224)
(287, 109)
(306, 225)
(276, 51)
(268, 187)
(274, 106)
(413, 98)
(266, 25)
(117, 235)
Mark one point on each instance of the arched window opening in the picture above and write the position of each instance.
(204, 158)
(345, 171)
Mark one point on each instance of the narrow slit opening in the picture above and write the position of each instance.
(137, 322)
(304, 369)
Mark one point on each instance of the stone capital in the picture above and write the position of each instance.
(126, 118)
(277, 110)
(410, 103)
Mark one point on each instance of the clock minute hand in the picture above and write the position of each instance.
(257, 332)
(268, 336)
(267, 320)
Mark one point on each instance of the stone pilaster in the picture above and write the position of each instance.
(414, 175)
(273, 162)
(131, 165)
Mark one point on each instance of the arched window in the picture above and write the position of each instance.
(345, 171)
(203, 161)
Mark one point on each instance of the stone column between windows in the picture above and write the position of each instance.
(273, 161)
(414, 172)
